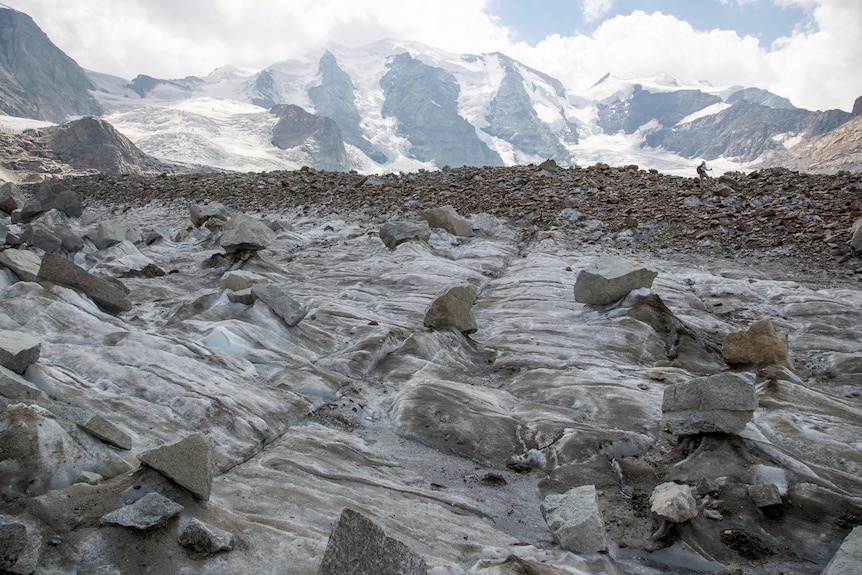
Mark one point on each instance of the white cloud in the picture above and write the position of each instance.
(816, 66)
(595, 9)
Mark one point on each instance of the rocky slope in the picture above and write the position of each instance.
(323, 388)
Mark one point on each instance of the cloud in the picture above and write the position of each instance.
(595, 9)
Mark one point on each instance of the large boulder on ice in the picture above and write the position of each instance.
(848, 558)
(151, 510)
(200, 213)
(11, 197)
(13, 386)
(448, 219)
(203, 539)
(52, 194)
(243, 232)
(452, 308)
(610, 279)
(18, 350)
(24, 263)
(238, 280)
(673, 502)
(103, 292)
(395, 233)
(188, 462)
(284, 306)
(724, 402)
(38, 236)
(357, 546)
(112, 232)
(759, 345)
(575, 520)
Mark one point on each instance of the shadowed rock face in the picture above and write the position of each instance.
(317, 135)
(424, 101)
(37, 80)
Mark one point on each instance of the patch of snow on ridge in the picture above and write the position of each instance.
(708, 111)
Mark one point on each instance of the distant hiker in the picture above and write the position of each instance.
(702, 170)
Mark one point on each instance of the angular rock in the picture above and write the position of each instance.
(452, 308)
(610, 279)
(673, 502)
(13, 540)
(126, 260)
(89, 477)
(104, 293)
(237, 280)
(575, 520)
(11, 197)
(764, 495)
(24, 263)
(448, 219)
(357, 546)
(198, 537)
(151, 510)
(18, 350)
(724, 403)
(38, 236)
(13, 386)
(243, 232)
(200, 213)
(243, 296)
(396, 233)
(848, 558)
(284, 306)
(52, 194)
(856, 235)
(759, 345)
(102, 429)
(187, 462)
(115, 231)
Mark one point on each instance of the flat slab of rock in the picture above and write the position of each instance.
(765, 495)
(243, 232)
(760, 345)
(575, 520)
(112, 232)
(198, 537)
(238, 280)
(24, 263)
(284, 306)
(610, 279)
(452, 308)
(102, 429)
(673, 502)
(448, 219)
(187, 462)
(848, 558)
(104, 293)
(13, 386)
(200, 213)
(357, 546)
(723, 403)
(395, 233)
(18, 350)
(151, 510)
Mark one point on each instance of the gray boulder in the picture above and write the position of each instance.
(243, 296)
(52, 194)
(11, 197)
(856, 235)
(357, 547)
(848, 558)
(187, 462)
(243, 232)
(284, 306)
(18, 350)
(102, 429)
(395, 233)
(38, 236)
(19, 548)
(24, 263)
(610, 279)
(238, 280)
(200, 213)
(575, 520)
(103, 292)
(452, 308)
(724, 402)
(13, 386)
(203, 539)
(448, 219)
(765, 495)
(124, 259)
(759, 345)
(673, 502)
(151, 510)
(113, 232)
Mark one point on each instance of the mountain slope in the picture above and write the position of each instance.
(37, 80)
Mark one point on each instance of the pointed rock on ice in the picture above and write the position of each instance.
(187, 462)
(575, 520)
(452, 308)
(18, 350)
(243, 232)
(760, 345)
(673, 502)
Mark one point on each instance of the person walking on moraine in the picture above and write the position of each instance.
(702, 170)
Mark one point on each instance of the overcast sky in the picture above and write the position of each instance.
(809, 51)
